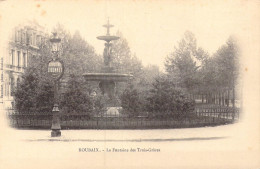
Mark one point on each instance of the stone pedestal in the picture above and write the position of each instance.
(55, 127)
(55, 133)
(107, 87)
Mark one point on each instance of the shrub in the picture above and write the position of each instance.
(76, 99)
(130, 101)
(165, 100)
(34, 93)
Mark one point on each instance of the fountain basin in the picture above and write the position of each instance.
(108, 38)
(116, 77)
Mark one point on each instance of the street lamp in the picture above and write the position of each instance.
(55, 71)
(55, 44)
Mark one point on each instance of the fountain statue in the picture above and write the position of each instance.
(107, 78)
(107, 54)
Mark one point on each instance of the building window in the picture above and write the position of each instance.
(42, 40)
(16, 36)
(27, 37)
(19, 36)
(24, 38)
(30, 39)
(38, 40)
(34, 39)
(12, 56)
(18, 58)
(24, 59)
(18, 82)
(12, 86)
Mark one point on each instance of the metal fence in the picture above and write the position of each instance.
(218, 112)
(202, 116)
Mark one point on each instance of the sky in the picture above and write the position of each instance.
(152, 28)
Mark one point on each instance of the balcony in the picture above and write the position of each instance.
(13, 68)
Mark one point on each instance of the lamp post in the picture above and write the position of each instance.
(55, 70)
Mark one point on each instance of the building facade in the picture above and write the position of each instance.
(18, 49)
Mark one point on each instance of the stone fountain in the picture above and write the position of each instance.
(107, 78)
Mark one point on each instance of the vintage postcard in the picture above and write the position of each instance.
(129, 84)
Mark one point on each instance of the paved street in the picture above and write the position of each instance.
(177, 147)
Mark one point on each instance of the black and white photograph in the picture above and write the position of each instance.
(116, 84)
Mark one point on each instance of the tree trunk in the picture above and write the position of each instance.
(234, 97)
(223, 99)
(219, 98)
(228, 98)
(216, 98)
(210, 99)
(221, 95)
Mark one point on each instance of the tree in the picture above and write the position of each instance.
(130, 101)
(143, 81)
(121, 54)
(76, 100)
(78, 56)
(124, 61)
(167, 101)
(34, 94)
(80, 53)
(227, 66)
(218, 74)
(45, 96)
(25, 93)
(184, 63)
(226, 59)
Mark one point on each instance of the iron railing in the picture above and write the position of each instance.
(202, 116)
